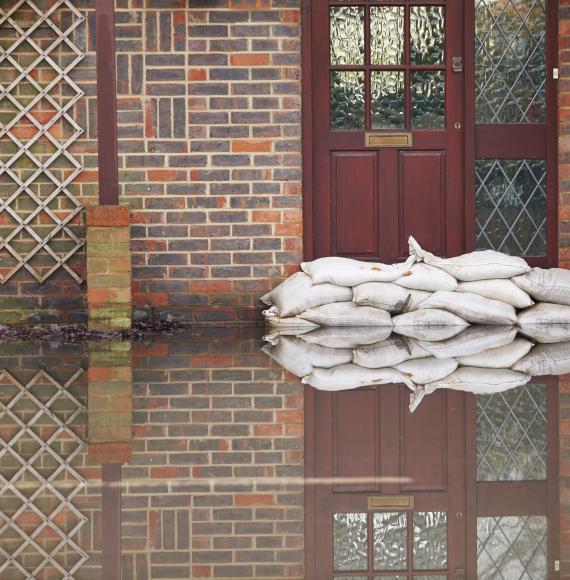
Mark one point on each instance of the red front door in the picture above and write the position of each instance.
(388, 127)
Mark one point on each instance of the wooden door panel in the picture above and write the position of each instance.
(422, 176)
(354, 193)
(356, 440)
(424, 445)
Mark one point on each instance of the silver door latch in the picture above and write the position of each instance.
(555, 73)
(457, 64)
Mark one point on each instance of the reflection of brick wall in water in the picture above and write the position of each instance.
(218, 457)
(33, 386)
(44, 157)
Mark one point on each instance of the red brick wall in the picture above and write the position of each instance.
(210, 162)
(209, 127)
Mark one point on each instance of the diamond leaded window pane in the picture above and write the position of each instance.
(510, 61)
(511, 206)
(511, 435)
(512, 547)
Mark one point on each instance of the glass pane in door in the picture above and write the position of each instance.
(347, 35)
(428, 99)
(511, 206)
(512, 547)
(511, 435)
(387, 99)
(350, 541)
(387, 35)
(510, 61)
(427, 35)
(347, 100)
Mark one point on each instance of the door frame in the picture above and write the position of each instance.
(307, 132)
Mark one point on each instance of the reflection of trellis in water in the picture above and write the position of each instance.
(35, 177)
(39, 523)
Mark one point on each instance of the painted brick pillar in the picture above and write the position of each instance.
(109, 267)
(110, 406)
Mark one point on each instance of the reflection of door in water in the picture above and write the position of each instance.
(478, 475)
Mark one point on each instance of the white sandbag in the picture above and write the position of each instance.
(472, 307)
(427, 370)
(472, 380)
(346, 336)
(348, 272)
(429, 317)
(275, 322)
(545, 313)
(430, 324)
(428, 278)
(503, 290)
(388, 296)
(298, 293)
(480, 381)
(546, 359)
(351, 376)
(546, 333)
(429, 333)
(502, 357)
(551, 285)
(389, 353)
(480, 265)
(472, 340)
(347, 314)
(299, 358)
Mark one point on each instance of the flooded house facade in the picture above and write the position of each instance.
(243, 136)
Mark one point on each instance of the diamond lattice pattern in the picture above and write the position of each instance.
(511, 435)
(511, 206)
(39, 522)
(38, 211)
(510, 61)
(512, 548)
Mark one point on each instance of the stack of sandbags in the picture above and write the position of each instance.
(475, 288)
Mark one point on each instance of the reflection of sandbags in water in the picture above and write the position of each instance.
(502, 357)
(299, 357)
(348, 272)
(347, 314)
(502, 290)
(427, 370)
(352, 376)
(427, 278)
(429, 324)
(347, 337)
(546, 359)
(551, 285)
(545, 313)
(546, 333)
(472, 307)
(298, 293)
(480, 265)
(388, 296)
(480, 381)
(395, 350)
(472, 340)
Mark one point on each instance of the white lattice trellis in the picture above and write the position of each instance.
(24, 37)
(27, 482)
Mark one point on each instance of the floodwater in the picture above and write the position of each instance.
(205, 456)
